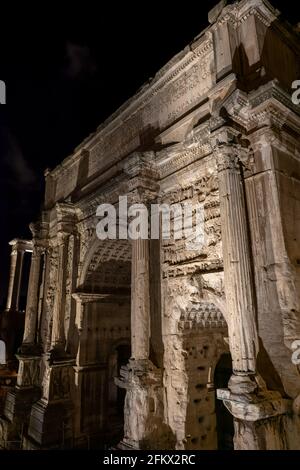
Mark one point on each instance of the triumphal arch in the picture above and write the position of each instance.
(146, 344)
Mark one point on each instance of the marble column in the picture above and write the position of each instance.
(15, 277)
(140, 300)
(58, 327)
(32, 298)
(257, 412)
(239, 291)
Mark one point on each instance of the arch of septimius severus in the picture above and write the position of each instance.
(142, 343)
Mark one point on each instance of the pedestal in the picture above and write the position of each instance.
(19, 402)
(50, 424)
(143, 410)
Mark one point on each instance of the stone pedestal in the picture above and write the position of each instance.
(143, 410)
(50, 424)
(19, 402)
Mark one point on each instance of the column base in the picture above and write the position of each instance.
(258, 421)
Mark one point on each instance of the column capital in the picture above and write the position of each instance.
(231, 150)
(18, 245)
(38, 250)
(228, 161)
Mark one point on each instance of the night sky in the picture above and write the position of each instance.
(66, 69)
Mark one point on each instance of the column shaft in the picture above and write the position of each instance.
(15, 279)
(241, 313)
(32, 299)
(140, 299)
(58, 327)
(13, 264)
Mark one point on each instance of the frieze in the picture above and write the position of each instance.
(209, 265)
(185, 158)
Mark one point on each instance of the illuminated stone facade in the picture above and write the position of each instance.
(143, 343)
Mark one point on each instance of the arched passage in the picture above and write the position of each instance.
(225, 426)
(104, 342)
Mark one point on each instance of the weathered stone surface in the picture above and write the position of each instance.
(147, 343)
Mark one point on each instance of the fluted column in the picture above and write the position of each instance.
(32, 298)
(15, 278)
(58, 328)
(140, 299)
(12, 274)
(241, 312)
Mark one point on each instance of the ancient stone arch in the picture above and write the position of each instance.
(216, 127)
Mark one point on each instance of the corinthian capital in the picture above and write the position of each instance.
(228, 161)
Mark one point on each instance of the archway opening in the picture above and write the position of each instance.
(225, 426)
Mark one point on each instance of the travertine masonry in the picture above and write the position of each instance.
(144, 343)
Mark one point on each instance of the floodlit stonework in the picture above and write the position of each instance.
(145, 344)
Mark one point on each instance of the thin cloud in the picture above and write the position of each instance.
(14, 159)
(80, 63)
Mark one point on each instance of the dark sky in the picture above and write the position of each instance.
(66, 69)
